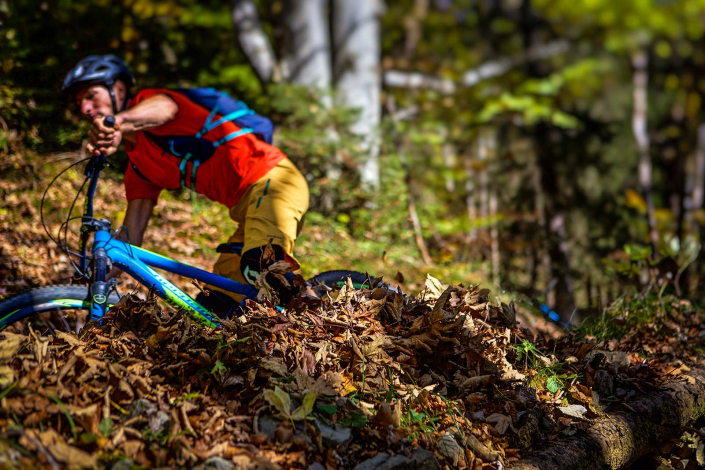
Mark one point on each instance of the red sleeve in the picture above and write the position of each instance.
(137, 187)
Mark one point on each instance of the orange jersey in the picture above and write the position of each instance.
(223, 178)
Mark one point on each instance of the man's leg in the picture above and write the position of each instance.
(219, 301)
(274, 217)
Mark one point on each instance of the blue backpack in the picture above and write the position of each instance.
(198, 149)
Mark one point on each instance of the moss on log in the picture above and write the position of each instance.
(620, 437)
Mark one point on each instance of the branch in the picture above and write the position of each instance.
(485, 71)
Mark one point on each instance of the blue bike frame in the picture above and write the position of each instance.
(136, 262)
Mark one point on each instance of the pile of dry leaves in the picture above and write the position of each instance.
(367, 379)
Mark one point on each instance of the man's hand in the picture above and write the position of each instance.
(103, 139)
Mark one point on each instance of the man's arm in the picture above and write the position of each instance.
(137, 216)
(148, 114)
(153, 112)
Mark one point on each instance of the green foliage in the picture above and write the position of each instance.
(542, 373)
(105, 427)
(631, 310)
(583, 164)
(281, 401)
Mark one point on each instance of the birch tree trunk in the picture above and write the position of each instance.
(448, 160)
(470, 203)
(640, 61)
(357, 50)
(486, 147)
(308, 57)
(253, 40)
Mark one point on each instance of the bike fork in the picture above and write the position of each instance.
(99, 287)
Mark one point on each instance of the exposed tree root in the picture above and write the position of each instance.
(621, 437)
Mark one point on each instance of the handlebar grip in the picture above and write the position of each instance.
(109, 121)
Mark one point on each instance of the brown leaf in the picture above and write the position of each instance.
(10, 343)
(500, 421)
(388, 415)
(75, 459)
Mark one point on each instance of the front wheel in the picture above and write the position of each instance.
(48, 308)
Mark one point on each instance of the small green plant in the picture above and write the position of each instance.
(105, 428)
(219, 369)
(189, 396)
(155, 437)
(544, 373)
(281, 401)
(68, 416)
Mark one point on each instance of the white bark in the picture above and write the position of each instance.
(308, 57)
(415, 80)
(448, 162)
(470, 201)
(356, 39)
(253, 40)
(485, 71)
(640, 61)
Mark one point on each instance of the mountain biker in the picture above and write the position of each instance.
(265, 192)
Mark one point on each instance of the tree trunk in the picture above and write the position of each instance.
(253, 40)
(556, 234)
(470, 204)
(411, 200)
(356, 39)
(640, 61)
(448, 163)
(486, 146)
(540, 208)
(621, 437)
(308, 58)
(697, 199)
(494, 237)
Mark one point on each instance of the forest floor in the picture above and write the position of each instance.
(449, 377)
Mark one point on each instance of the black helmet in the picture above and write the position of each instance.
(95, 70)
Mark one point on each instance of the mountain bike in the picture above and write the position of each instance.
(97, 294)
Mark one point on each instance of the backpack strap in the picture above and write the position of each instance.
(182, 170)
(219, 142)
(209, 126)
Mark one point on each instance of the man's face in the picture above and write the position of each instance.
(94, 102)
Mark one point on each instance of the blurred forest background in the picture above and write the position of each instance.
(553, 149)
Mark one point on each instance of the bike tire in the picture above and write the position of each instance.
(336, 279)
(31, 303)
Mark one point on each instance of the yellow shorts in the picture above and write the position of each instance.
(272, 209)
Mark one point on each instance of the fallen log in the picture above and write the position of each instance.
(621, 437)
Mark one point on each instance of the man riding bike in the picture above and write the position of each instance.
(265, 192)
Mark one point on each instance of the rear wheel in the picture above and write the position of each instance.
(47, 309)
(336, 279)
